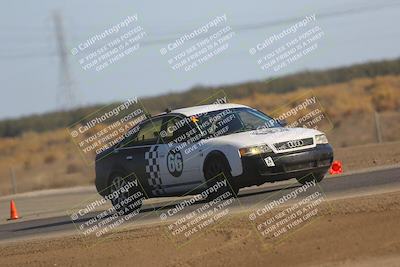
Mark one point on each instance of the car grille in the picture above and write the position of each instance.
(308, 165)
(294, 144)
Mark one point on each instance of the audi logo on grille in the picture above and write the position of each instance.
(295, 143)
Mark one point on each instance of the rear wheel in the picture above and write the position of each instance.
(125, 194)
(218, 176)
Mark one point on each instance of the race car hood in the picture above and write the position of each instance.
(268, 136)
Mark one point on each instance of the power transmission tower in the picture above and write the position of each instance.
(66, 98)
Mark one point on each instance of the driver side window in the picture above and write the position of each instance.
(148, 133)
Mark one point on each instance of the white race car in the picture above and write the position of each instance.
(186, 151)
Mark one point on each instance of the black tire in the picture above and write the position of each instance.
(216, 170)
(125, 201)
(317, 177)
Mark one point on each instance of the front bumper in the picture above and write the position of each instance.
(289, 165)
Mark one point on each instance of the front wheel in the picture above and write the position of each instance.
(125, 194)
(218, 177)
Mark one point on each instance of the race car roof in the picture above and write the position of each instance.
(206, 108)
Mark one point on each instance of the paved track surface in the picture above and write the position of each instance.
(55, 221)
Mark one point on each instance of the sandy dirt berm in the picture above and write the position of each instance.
(362, 231)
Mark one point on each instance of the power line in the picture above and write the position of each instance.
(238, 28)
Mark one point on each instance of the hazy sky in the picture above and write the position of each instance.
(354, 32)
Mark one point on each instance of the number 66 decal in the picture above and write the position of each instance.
(175, 163)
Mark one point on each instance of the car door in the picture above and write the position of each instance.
(138, 155)
(179, 164)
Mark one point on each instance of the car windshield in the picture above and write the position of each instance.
(229, 121)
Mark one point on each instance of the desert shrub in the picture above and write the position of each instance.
(72, 168)
(384, 96)
(27, 164)
(49, 158)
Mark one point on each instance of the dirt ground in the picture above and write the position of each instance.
(361, 231)
(368, 156)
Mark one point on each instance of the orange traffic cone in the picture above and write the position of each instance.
(13, 211)
(336, 167)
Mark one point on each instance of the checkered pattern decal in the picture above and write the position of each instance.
(153, 169)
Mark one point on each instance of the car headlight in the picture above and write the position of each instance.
(321, 139)
(254, 150)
